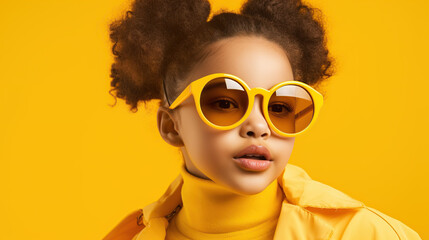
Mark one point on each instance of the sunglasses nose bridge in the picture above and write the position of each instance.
(258, 91)
(256, 121)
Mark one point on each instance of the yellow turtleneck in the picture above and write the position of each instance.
(211, 211)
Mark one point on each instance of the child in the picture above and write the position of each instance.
(235, 90)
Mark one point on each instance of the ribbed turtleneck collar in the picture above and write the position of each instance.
(211, 208)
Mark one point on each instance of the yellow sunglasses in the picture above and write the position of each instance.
(224, 101)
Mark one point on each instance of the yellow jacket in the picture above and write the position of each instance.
(310, 210)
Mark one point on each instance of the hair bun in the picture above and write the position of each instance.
(141, 39)
(305, 25)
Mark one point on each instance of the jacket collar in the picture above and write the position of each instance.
(300, 192)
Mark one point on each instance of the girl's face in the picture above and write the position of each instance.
(209, 153)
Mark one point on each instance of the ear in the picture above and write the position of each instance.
(168, 127)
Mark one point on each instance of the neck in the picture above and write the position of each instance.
(211, 208)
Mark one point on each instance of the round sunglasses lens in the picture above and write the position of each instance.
(291, 109)
(223, 101)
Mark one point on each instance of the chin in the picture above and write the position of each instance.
(250, 189)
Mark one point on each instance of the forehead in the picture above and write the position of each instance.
(256, 60)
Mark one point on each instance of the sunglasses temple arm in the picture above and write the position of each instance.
(184, 95)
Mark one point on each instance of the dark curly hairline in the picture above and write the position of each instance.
(309, 37)
(205, 54)
(207, 49)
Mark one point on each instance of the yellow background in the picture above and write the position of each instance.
(72, 166)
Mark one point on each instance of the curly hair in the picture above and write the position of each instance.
(158, 42)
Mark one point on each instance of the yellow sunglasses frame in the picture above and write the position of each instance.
(195, 88)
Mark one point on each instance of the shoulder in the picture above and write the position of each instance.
(370, 223)
(363, 223)
(350, 218)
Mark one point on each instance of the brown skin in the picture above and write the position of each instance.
(208, 152)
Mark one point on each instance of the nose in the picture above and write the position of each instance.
(255, 125)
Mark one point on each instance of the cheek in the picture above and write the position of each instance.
(284, 147)
(196, 134)
(208, 148)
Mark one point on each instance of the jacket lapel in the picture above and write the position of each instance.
(301, 190)
(166, 203)
(154, 213)
(295, 221)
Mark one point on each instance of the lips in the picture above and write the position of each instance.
(254, 152)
